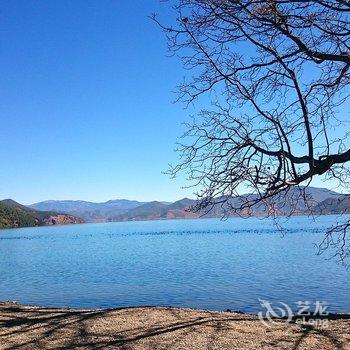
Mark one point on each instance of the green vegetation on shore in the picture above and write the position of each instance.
(15, 217)
(13, 214)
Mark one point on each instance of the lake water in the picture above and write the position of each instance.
(209, 264)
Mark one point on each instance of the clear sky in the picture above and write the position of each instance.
(86, 93)
(86, 101)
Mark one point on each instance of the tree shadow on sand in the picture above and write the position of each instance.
(23, 328)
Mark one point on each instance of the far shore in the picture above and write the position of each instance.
(261, 217)
(34, 327)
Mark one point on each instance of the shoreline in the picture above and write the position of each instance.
(260, 217)
(330, 315)
(33, 327)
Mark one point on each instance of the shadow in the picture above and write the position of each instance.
(309, 330)
(159, 328)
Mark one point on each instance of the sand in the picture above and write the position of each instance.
(29, 327)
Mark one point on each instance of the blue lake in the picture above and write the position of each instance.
(209, 264)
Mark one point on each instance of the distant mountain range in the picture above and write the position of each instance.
(89, 211)
(320, 200)
(13, 214)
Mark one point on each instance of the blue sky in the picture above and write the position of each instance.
(86, 95)
(86, 101)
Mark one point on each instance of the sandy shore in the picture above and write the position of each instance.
(26, 327)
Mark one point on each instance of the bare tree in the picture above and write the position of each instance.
(277, 72)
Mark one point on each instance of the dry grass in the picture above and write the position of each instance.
(23, 327)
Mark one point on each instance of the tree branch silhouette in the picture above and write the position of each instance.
(278, 75)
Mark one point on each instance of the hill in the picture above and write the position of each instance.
(153, 210)
(338, 205)
(13, 214)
